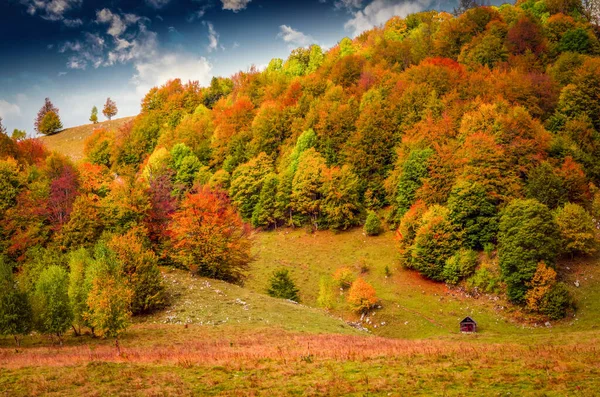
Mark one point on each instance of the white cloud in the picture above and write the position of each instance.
(73, 23)
(116, 25)
(379, 11)
(53, 10)
(213, 37)
(7, 108)
(349, 5)
(157, 3)
(294, 37)
(161, 69)
(235, 5)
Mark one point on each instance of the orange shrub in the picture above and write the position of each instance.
(362, 296)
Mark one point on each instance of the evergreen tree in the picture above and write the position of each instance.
(282, 286)
(110, 109)
(94, 115)
(15, 310)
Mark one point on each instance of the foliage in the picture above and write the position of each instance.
(94, 115)
(209, 237)
(577, 231)
(527, 235)
(344, 277)
(51, 306)
(411, 179)
(460, 266)
(50, 123)
(15, 309)
(542, 282)
(79, 262)
(373, 225)
(326, 295)
(110, 109)
(47, 108)
(362, 296)
(556, 302)
(282, 286)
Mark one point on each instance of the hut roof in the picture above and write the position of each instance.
(468, 320)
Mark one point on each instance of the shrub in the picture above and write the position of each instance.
(486, 279)
(373, 224)
(362, 296)
(325, 298)
(528, 235)
(282, 286)
(459, 266)
(556, 302)
(344, 277)
(577, 231)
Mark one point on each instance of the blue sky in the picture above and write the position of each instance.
(79, 52)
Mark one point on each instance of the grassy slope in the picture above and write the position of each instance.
(70, 141)
(241, 342)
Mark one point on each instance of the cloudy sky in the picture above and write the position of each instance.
(79, 52)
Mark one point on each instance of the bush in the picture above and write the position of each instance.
(556, 302)
(325, 298)
(459, 266)
(282, 286)
(486, 279)
(373, 224)
(344, 277)
(576, 229)
(362, 296)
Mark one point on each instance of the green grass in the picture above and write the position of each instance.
(412, 307)
(220, 339)
(70, 141)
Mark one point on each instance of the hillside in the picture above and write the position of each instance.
(70, 141)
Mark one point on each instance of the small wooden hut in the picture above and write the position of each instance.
(468, 325)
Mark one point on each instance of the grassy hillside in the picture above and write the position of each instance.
(238, 341)
(70, 141)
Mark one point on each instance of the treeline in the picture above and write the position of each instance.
(469, 134)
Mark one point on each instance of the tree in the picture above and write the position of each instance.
(362, 296)
(79, 262)
(546, 186)
(18, 135)
(52, 307)
(94, 115)
(110, 109)
(436, 240)
(577, 231)
(539, 286)
(340, 198)
(50, 123)
(474, 211)
(209, 237)
(47, 108)
(282, 286)
(527, 235)
(2, 127)
(109, 301)
(265, 211)
(140, 268)
(15, 310)
(414, 170)
(247, 181)
(307, 187)
(460, 266)
(373, 224)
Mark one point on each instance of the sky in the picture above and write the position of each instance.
(79, 52)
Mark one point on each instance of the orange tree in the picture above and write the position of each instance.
(209, 237)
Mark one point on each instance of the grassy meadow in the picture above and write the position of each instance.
(220, 339)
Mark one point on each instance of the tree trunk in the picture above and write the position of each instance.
(117, 346)
(17, 340)
(75, 330)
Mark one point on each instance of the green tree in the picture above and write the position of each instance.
(15, 310)
(527, 235)
(282, 286)
(247, 181)
(79, 262)
(577, 230)
(341, 203)
(373, 224)
(414, 170)
(473, 210)
(436, 240)
(307, 187)
(50, 123)
(546, 186)
(18, 135)
(51, 304)
(94, 115)
(460, 266)
(265, 212)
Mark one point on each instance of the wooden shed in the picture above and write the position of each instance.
(468, 325)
